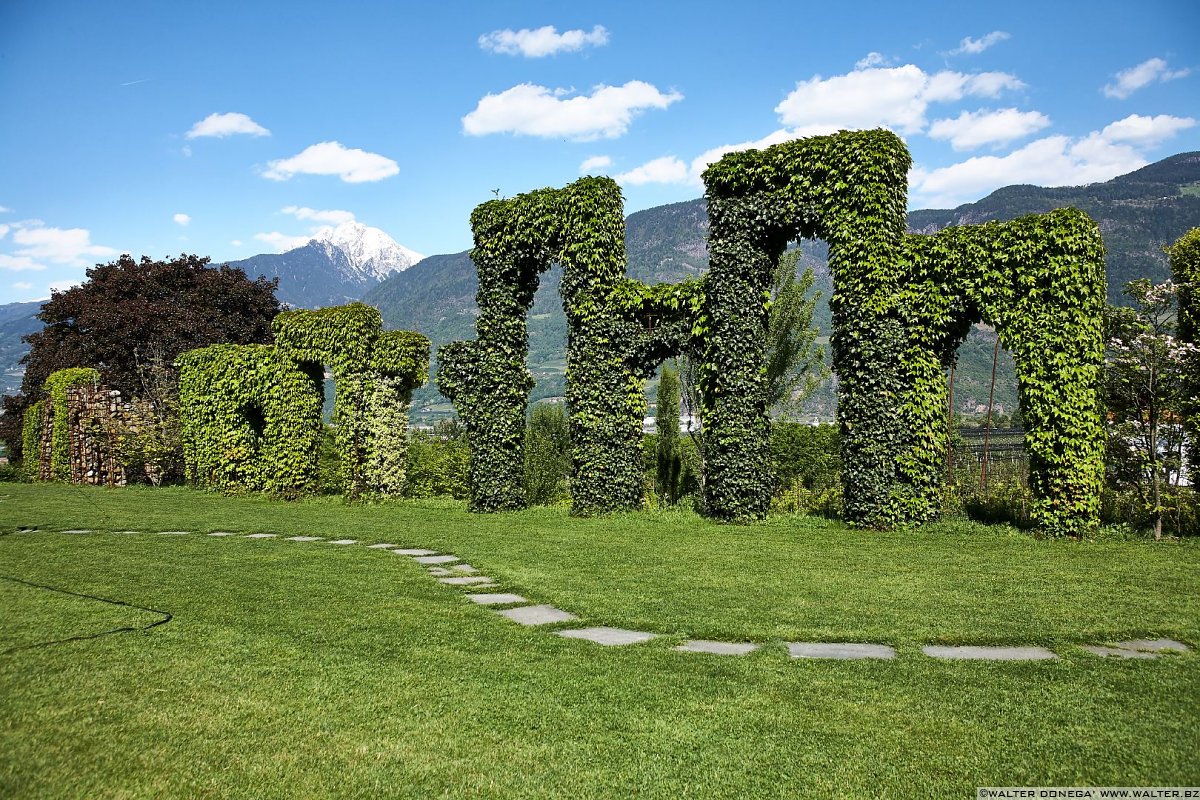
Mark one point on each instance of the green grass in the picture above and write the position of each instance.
(298, 670)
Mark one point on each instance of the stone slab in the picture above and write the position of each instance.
(465, 580)
(413, 551)
(466, 569)
(717, 648)
(609, 637)
(446, 559)
(840, 650)
(537, 615)
(126, 533)
(173, 533)
(79, 530)
(262, 535)
(978, 653)
(304, 538)
(383, 546)
(1153, 645)
(440, 571)
(222, 533)
(1119, 652)
(501, 599)
(344, 541)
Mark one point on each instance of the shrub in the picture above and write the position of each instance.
(547, 455)
(438, 462)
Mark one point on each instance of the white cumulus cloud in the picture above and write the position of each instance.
(544, 41)
(972, 129)
(19, 263)
(872, 59)
(4, 229)
(971, 46)
(332, 216)
(4, 210)
(223, 125)
(1151, 71)
(236, 242)
(532, 110)
(71, 246)
(62, 286)
(1050, 161)
(893, 97)
(282, 242)
(332, 158)
(22, 285)
(594, 164)
(667, 169)
(182, 219)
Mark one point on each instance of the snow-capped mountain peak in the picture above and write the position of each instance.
(369, 250)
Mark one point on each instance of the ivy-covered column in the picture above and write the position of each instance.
(1185, 271)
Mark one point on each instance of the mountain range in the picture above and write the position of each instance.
(1138, 214)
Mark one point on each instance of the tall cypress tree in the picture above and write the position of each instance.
(666, 420)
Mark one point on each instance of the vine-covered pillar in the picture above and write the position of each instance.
(1185, 271)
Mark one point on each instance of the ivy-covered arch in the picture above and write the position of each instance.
(610, 351)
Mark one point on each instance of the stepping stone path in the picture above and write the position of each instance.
(977, 653)
(609, 637)
(537, 615)
(502, 599)
(839, 650)
(449, 569)
(126, 533)
(717, 648)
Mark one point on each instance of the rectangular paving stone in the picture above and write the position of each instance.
(262, 535)
(978, 653)
(173, 533)
(435, 559)
(344, 541)
(125, 533)
(839, 650)
(413, 551)
(304, 538)
(500, 599)
(609, 637)
(536, 615)
(1154, 645)
(719, 648)
(380, 546)
(222, 533)
(1119, 652)
(465, 580)
(464, 568)
(440, 571)
(79, 530)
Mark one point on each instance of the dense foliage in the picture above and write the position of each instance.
(129, 313)
(1184, 255)
(668, 473)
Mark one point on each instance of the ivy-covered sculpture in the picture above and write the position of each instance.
(901, 305)
(611, 350)
(39, 414)
(1185, 271)
(262, 404)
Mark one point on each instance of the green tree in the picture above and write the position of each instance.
(547, 454)
(1184, 256)
(669, 456)
(795, 362)
(1144, 388)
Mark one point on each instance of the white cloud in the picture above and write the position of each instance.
(182, 219)
(894, 97)
(1146, 131)
(22, 286)
(4, 210)
(331, 158)
(236, 243)
(186, 150)
(223, 125)
(971, 46)
(595, 163)
(531, 110)
(19, 263)
(1130, 80)
(544, 41)
(332, 216)
(971, 129)
(62, 286)
(1050, 161)
(4, 229)
(872, 59)
(281, 241)
(667, 169)
(72, 246)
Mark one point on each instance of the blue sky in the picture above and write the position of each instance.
(230, 129)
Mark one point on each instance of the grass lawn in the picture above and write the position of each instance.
(303, 669)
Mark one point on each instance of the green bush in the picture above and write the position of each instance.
(547, 455)
(808, 456)
(438, 462)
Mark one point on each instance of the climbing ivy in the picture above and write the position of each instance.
(31, 433)
(56, 387)
(610, 346)
(251, 420)
(1184, 255)
(375, 373)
